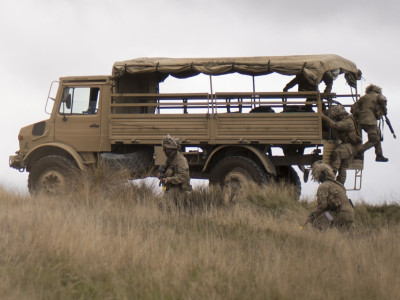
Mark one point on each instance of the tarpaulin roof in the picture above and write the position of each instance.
(313, 67)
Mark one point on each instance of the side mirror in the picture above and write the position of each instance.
(67, 101)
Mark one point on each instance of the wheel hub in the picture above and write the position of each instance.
(236, 180)
(52, 183)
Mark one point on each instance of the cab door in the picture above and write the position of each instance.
(78, 121)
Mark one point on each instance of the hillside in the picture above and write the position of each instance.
(108, 240)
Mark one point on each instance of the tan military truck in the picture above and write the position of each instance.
(122, 118)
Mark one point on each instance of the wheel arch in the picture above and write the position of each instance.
(53, 149)
(250, 151)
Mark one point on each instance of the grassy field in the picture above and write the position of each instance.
(111, 241)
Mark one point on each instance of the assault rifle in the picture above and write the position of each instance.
(389, 125)
(310, 218)
(161, 176)
(316, 214)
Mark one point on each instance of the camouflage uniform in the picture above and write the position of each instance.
(177, 178)
(333, 207)
(367, 110)
(305, 86)
(345, 131)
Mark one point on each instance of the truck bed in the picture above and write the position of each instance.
(225, 128)
(225, 118)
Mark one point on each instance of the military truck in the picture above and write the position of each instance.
(226, 136)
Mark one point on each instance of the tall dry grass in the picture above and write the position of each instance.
(109, 240)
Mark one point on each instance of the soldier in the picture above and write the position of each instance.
(344, 130)
(175, 179)
(334, 209)
(305, 86)
(367, 110)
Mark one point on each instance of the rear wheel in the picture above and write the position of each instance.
(236, 171)
(51, 175)
(289, 176)
(233, 174)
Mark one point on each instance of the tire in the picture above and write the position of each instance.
(290, 176)
(236, 170)
(52, 175)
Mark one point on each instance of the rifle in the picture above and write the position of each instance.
(161, 175)
(389, 125)
(310, 218)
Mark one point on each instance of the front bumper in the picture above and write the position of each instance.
(17, 161)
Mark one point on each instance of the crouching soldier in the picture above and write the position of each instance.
(174, 176)
(334, 209)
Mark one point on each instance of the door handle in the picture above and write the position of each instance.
(94, 126)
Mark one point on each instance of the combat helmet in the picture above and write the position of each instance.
(337, 111)
(321, 171)
(373, 88)
(170, 142)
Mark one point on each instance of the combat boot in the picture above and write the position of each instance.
(381, 158)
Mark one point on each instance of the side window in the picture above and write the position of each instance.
(79, 101)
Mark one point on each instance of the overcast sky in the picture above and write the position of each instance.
(44, 40)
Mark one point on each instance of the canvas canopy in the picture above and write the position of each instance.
(313, 67)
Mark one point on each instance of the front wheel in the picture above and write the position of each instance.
(51, 175)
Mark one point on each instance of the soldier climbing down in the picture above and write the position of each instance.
(344, 130)
(367, 110)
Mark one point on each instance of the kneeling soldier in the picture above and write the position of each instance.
(334, 209)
